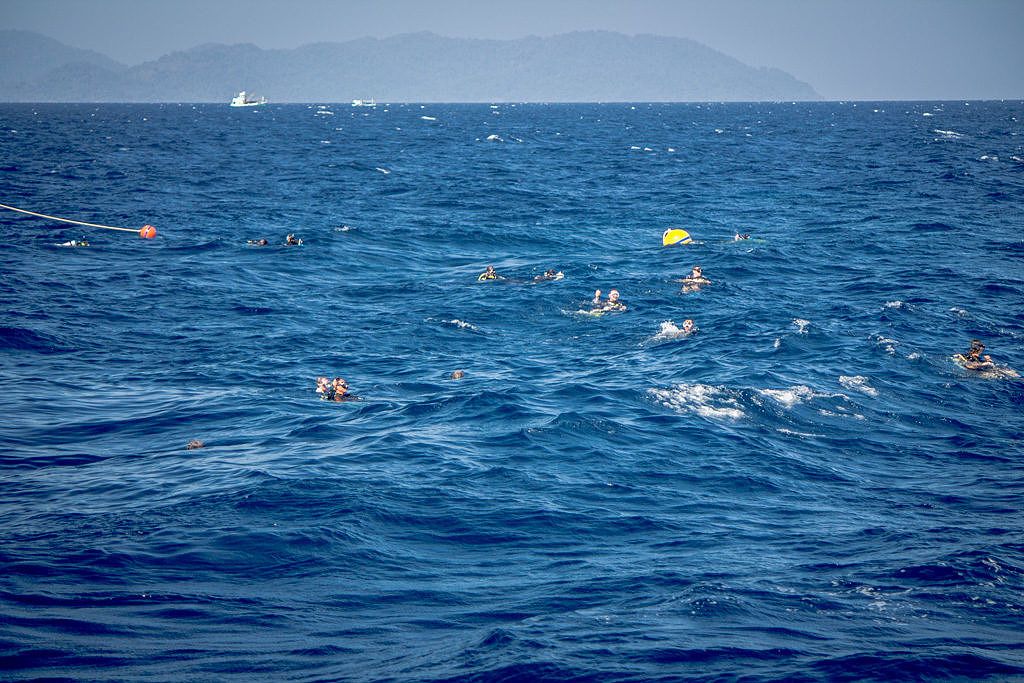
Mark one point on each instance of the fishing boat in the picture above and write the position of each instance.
(244, 99)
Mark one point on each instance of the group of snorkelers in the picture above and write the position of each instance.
(338, 389)
(491, 274)
(289, 241)
(333, 390)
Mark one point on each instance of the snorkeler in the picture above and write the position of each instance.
(549, 274)
(696, 277)
(489, 274)
(973, 360)
(339, 389)
(75, 243)
(292, 241)
(611, 304)
(687, 328)
(261, 242)
(323, 387)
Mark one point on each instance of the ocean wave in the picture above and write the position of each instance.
(858, 383)
(712, 402)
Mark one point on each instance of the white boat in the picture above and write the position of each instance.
(364, 103)
(243, 99)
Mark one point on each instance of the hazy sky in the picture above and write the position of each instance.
(846, 49)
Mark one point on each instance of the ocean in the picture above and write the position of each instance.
(806, 488)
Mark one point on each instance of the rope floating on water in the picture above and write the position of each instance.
(145, 232)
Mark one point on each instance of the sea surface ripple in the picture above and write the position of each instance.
(807, 488)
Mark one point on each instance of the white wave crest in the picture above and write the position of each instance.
(888, 344)
(717, 403)
(858, 383)
(801, 325)
(948, 134)
(894, 304)
(462, 324)
(791, 396)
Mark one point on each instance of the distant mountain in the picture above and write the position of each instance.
(419, 67)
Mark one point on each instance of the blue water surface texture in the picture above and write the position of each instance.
(807, 488)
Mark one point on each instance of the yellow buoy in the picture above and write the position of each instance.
(675, 236)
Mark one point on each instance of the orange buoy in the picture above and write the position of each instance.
(147, 232)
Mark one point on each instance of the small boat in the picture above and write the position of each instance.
(364, 103)
(243, 99)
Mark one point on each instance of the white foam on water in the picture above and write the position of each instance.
(428, 118)
(888, 344)
(494, 138)
(462, 324)
(715, 403)
(894, 304)
(777, 343)
(948, 134)
(843, 412)
(382, 170)
(671, 149)
(858, 383)
(959, 311)
(988, 157)
(791, 396)
(927, 113)
(801, 325)
(790, 432)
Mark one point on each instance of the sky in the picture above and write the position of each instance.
(845, 49)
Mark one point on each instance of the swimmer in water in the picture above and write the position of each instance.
(458, 374)
(339, 390)
(76, 243)
(323, 387)
(261, 242)
(549, 274)
(739, 237)
(687, 327)
(489, 274)
(694, 281)
(973, 360)
(611, 304)
(696, 277)
(292, 241)
(194, 444)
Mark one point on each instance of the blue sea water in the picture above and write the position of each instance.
(808, 488)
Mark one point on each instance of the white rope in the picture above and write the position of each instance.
(65, 220)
